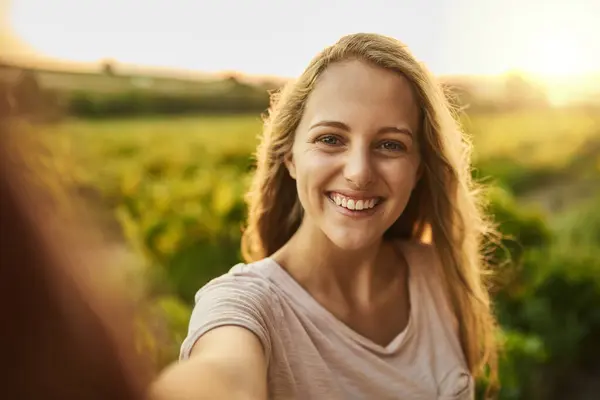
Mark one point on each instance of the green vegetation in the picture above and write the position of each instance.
(171, 190)
(51, 95)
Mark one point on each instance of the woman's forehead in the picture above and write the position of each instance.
(354, 90)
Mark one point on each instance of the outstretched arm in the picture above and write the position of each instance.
(228, 362)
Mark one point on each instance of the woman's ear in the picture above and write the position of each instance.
(288, 160)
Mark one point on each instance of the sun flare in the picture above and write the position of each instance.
(554, 54)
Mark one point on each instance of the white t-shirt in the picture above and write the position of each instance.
(313, 355)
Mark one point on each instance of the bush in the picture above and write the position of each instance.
(548, 306)
(238, 99)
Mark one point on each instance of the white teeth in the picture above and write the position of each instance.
(352, 204)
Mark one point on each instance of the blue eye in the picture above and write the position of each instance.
(393, 146)
(329, 140)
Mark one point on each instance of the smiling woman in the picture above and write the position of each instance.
(373, 150)
(362, 273)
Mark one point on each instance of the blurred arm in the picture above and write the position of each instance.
(228, 362)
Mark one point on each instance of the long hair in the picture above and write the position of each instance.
(66, 332)
(445, 207)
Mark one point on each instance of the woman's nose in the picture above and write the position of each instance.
(358, 169)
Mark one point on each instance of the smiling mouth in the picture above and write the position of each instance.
(354, 204)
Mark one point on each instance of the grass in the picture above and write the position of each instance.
(211, 132)
(534, 138)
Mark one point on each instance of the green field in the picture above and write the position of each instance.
(170, 191)
(536, 138)
(540, 137)
(559, 147)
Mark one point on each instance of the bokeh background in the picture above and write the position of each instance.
(149, 112)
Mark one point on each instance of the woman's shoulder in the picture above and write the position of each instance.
(242, 297)
(242, 280)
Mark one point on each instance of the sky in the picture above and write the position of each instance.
(269, 37)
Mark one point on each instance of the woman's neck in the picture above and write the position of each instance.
(356, 277)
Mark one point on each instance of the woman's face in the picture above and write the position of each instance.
(355, 157)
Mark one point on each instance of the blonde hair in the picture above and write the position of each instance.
(445, 207)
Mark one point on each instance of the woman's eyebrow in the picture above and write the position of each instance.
(343, 126)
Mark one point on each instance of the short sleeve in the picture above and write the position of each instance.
(239, 299)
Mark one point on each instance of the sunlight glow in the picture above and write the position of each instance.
(555, 54)
(267, 37)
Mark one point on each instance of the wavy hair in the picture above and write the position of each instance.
(445, 207)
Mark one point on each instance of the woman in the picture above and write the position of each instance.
(363, 274)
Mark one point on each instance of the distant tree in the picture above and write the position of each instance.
(108, 67)
(27, 94)
(232, 77)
